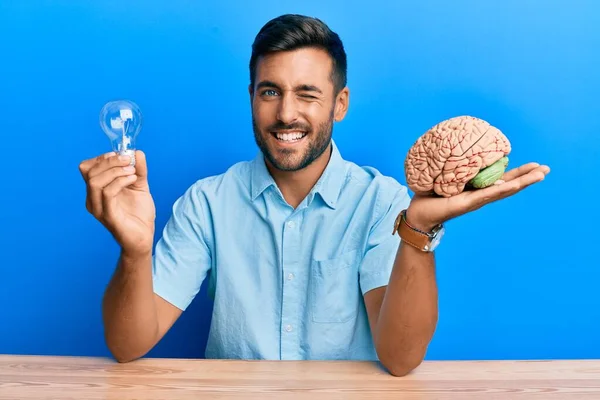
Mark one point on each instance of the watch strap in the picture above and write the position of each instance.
(411, 235)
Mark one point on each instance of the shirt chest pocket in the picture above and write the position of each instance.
(335, 288)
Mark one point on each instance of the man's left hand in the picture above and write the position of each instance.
(425, 212)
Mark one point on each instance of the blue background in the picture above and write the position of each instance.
(517, 279)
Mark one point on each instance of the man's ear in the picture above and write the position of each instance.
(342, 102)
(251, 92)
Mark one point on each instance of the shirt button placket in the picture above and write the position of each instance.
(289, 316)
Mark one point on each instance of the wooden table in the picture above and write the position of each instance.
(80, 378)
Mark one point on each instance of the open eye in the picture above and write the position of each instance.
(269, 92)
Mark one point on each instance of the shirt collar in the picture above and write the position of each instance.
(330, 183)
(328, 186)
(261, 178)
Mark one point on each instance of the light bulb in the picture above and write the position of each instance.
(121, 120)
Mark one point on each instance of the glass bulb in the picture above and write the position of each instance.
(121, 120)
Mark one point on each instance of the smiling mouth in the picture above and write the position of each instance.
(290, 137)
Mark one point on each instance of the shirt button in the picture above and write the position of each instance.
(290, 276)
(291, 224)
(288, 328)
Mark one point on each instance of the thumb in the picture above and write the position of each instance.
(141, 171)
(141, 168)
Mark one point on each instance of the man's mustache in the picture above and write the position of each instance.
(279, 126)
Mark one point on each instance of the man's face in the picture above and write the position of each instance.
(294, 107)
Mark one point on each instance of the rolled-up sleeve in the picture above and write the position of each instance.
(182, 257)
(376, 267)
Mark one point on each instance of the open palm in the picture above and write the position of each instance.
(427, 211)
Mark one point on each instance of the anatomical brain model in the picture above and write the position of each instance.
(457, 154)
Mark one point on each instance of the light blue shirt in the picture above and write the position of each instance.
(288, 284)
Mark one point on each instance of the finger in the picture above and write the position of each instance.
(107, 163)
(84, 168)
(492, 193)
(105, 155)
(141, 168)
(86, 165)
(517, 172)
(98, 183)
(110, 192)
(536, 175)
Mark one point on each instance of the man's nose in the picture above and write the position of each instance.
(288, 109)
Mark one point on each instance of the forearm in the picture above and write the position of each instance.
(409, 311)
(129, 309)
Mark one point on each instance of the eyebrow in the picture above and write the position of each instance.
(303, 88)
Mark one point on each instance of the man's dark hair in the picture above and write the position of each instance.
(290, 32)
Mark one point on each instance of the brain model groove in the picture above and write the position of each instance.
(460, 153)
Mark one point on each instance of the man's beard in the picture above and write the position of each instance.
(317, 144)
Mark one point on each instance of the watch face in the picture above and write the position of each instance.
(436, 239)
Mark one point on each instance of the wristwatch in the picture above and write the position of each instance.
(424, 241)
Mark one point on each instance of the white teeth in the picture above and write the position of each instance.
(290, 137)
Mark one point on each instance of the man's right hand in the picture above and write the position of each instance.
(119, 197)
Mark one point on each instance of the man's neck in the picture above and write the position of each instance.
(296, 185)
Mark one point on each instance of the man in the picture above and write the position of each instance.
(298, 242)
